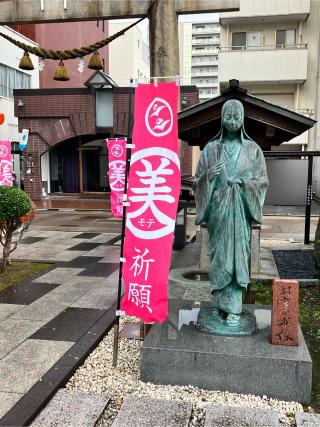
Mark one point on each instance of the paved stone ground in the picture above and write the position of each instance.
(44, 321)
(72, 410)
(42, 318)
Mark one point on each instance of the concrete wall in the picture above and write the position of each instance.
(259, 66)
(287, 182)
(127, 56)
(10, 56)
(269, 8)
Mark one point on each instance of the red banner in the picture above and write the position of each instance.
(153, 194)
(117, 169)
(5, 163)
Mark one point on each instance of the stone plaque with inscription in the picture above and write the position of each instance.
(285, 312)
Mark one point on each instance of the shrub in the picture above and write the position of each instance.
(16, 213)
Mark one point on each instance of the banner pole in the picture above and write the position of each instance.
(128, 156)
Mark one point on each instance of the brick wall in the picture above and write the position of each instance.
(52, 116)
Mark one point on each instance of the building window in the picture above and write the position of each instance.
(285, 38)
(239, 41)
(250, 40)
(12, 79)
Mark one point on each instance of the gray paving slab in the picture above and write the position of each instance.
(8, 400)
(26, 364)
(14, 331)
(99, 251)
(58, 275)
(65, 255)
(229, 416)
(111, 254)
(113, 278)
(67, 294)
(103, 238)
(69, 409)
(305, 419)
(101, 298)
(83, 282)
(145, 412)
(42, 309)
(6, 310)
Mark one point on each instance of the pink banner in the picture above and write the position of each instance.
(117, 170)
(153, 194)
(5, 163)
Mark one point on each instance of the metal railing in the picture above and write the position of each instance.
(262, 47)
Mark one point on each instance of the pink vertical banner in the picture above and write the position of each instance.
(153, 194)
(117, 170)
(5, 163)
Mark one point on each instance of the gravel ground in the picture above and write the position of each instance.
(297, 264)
(97, 375)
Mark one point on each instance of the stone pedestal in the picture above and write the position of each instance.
(176, 352)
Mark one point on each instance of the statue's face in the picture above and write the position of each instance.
(232, 118)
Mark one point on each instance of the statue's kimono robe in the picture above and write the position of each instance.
(229, 211)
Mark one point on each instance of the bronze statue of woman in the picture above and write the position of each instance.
(230, 186)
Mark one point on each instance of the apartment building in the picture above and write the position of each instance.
(128, 55)
(199, 44)
(272, 48)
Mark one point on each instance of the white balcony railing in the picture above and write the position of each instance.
(205, 85)
(204, 74)
(263, 47)
(207, 30)
(264, 64)
(206, 42)
(202, 52)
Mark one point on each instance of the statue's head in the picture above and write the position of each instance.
(232, 115)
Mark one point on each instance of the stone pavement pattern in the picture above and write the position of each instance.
(42, 318)
(146, 412)
(72, 410)
(222, 416)
(304, 419)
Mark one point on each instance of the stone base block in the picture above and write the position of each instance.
(177, 353)
(304, 419)
(222, 416)
(145, 412)
(72, 409)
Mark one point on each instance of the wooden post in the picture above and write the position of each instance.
(164, 44)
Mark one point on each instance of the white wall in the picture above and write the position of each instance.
(10, 56)
(127, 55)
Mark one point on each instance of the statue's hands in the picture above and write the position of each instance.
(234, 180)
(219, 173)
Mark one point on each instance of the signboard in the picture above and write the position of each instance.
(24, 135)
(153, 194)
(117, 169)
(5, 163)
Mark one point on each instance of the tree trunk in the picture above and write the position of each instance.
(6, 248)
